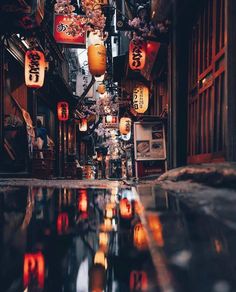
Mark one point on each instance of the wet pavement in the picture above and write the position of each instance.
(110, 237)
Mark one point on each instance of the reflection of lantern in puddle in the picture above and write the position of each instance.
(125, 208)
(83, 201)
(140, 237)
(100, 258)
(62, 223)
(156, 228)
(103, 241)
(109, 210)
(107, 225)
(34, 268)
(138, 281)
(97, 277)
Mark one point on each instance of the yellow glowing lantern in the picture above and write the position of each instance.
(140, 237)
(137, 54)
(103, 239)
(125, 126)
(83, 125)
(97, 59)
(125, 208)
(34, 68)
(140, 98)
(101, 88)
(100, 258)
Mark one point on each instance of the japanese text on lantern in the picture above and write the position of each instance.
(137, 55)
(34, 68)
(63, 111)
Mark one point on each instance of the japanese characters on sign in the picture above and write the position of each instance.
(140, 98)
(63, 111)
(34, 68)
(61, 32)
(137, 54)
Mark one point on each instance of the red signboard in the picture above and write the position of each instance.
(61, 33)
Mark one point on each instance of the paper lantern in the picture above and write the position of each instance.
(101, 88)
(126, 211)
(34, 68)
(83, 125)
(97, 59)
(138, 281)
(63, 111)
(140, 98)
(156, 228)
(62, 223)
(34, 269)
(100, 258)
(140, 237)
(125, 126)
(83, 201)
(137, 54)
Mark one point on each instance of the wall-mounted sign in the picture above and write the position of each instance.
(61, 33)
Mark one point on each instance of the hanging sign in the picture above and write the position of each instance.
(140, 98)
(63, 111)
(137, 54)
(34, 68)
(62, 35)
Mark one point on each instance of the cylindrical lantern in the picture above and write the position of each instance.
(34, 68)
(34, 268)
(125, 126)
(140, 237)
(83, 201)
(83, 125)
(140, 98)
(101, 88)
(97, 59)
(62, 223)
(125, 209)
(137, 54)
(63, 111)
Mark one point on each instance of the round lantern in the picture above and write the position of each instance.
(137, 54)
(101, 88)
(125, 208)
(140, 98)
(34, 68)
(97, 59)
(125, 126)
(83, 125)
(63, 111)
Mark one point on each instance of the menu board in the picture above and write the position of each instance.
(149, 141)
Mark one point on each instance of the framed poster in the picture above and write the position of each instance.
(149, 141)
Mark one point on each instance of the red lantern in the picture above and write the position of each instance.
(138, 281)
(125, 208)
(140, 237)
(62, 223)
(83, 125)
(34, 68)
(34, 268)
(83, 201)
(63, 111)
(137, 54)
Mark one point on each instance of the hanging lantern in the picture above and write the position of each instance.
(138, 281)
(97, 59)
(63, 111)
(97, 278)
(100, 258)
(83, 201)
(140, 98)
(34, 68)
(125, 209)
(34, 269)
(156, 228)
(137, 54)
(101, 88)
(83, 125)
(140, 237)
(62, 223)
(125, 126)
